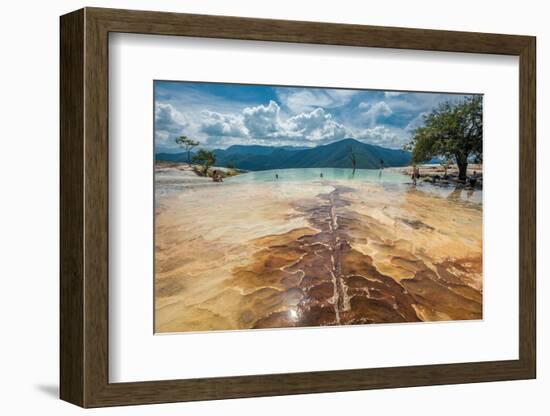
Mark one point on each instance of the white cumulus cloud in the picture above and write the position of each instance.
(268, 124)
(416, 122)
(167, 118)
(376, 111)
(383, 136)
(169, 123)
(317, 125)
(301, 100)
(221, 125)
(262, 121)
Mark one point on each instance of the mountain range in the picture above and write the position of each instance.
(333, 155)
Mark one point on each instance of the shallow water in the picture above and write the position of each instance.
(310, 174)
(257, 252)
(390, 180)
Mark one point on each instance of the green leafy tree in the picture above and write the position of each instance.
(206, 158)
(452, 130)
(188, 144)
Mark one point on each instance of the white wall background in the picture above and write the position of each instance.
(29, 206)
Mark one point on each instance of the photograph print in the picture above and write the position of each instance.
(292, 206)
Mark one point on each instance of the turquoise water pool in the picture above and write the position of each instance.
(310, 174)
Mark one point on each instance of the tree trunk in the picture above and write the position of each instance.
(462, 167)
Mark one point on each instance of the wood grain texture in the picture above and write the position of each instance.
(225, 27)
(84, 207)
(96, 208)
(527, 208)
(71, 208)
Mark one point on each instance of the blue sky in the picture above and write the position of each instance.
(221, 115)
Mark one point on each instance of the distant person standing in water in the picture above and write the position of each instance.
(321, 174)
(473, 179)
(276, 176)
(381, 164)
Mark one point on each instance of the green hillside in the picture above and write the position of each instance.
(333, 155)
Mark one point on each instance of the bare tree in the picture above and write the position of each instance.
(188, 144)
(351, 155)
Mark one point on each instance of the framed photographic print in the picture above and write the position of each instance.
(261, 207)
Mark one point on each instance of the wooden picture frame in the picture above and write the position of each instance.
(84, 207)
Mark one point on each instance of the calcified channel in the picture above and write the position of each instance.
(271, 255)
